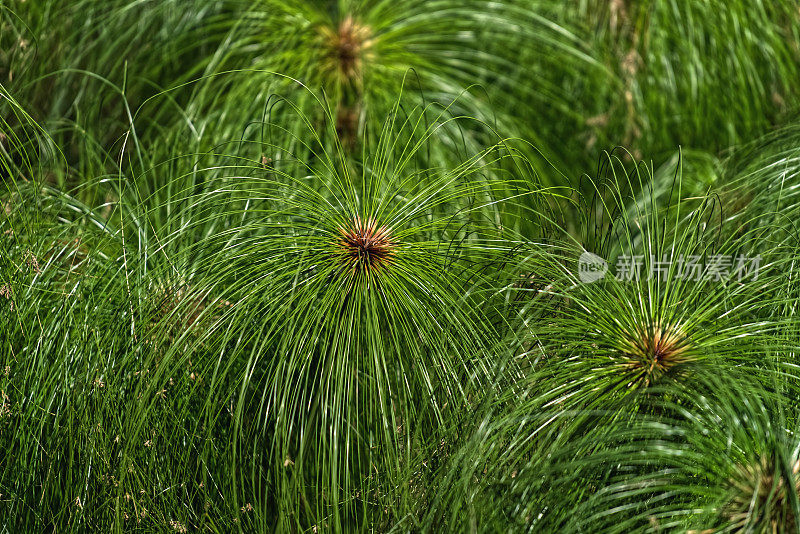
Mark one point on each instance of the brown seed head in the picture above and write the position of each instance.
(346, 46)
(654, 351)
(366, 246)
(759, 497)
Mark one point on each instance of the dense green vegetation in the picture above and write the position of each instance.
(435, 266)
